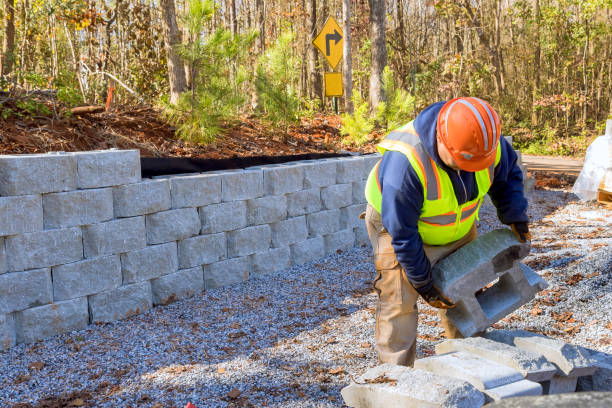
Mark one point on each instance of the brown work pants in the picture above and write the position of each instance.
(396, 312)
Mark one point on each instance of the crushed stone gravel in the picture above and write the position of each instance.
(296, 337)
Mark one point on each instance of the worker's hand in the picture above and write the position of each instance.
(436, 298)
(521, 230)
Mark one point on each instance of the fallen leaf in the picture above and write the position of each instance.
(335, 371)
(37, 365)
(382, 379)
(366, 345)
(609, 325)
(221, 370)
(78, 402)
(233, 394)
(536, 311)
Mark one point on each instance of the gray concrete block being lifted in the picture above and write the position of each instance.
(533, 366)
(79, 207)
(7, 332)
(24, 290)
(493, 258)
(86, 277)
(21, 214)
(41, 322)
(43, 249)
(120, 303)
(391, 386)
(114, 237)
(178, 285)
(195, 191)
(569, 359)
(37, 173)
(105, 168)
(146, 197)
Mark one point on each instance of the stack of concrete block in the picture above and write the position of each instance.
(83, 239)
(486, 280)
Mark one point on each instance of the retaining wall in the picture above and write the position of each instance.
(83, 239)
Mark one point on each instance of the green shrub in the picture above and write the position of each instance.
(399, 108)
(357, 127)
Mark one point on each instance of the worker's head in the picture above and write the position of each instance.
(468, 132)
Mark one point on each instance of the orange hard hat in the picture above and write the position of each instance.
(469, 128)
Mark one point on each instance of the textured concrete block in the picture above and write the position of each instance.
(361, 235)
(349, 169)
(369, 161)
(515, 389)
(200, 250)
(20, 214)
(266, 210)
(195, 191)
(105, 168)
(37, 173)
(3, 266)
(80, 207)
(114, 237)
(242, 185)
(601, 380)
(120, 303)
(248, 241)
(560, 384)
(343, 240)
(227, 272)
(303, 202)
(307, 250)
(172, 225)
(23, 290)
(7, 332)
(142, 198)
(223, 217)
(323, 222)
(570, 360)
(150, 262)
(320, 173)
(349, 216)
(283, 179)
(289, 231)
(337, 196)
(493, 258)
(359, 192)
(86, 277)
(56, 318)
(43, 249)
(392, 386)
(480, 372)
(275, 259)
(178, 285)
(578, 399)
(533, 366)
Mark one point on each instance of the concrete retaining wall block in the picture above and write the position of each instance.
(337, 196)
(369, 161)
(248, 241)
(289, 231)
(179, 285)
(44, 249)
(283, 179)
(349, 216)
(203, 249)
(307, 250)
(172, 225)
(341, 240)
(37, 173)
(105, 168)
(266, 210)
(56, 318)
(7, 332)
(195, 191)
(23, 290)
(227, 272)
(242, 185)
(361, 235)
(303, 202)
(223, 217)
(79, 207)
(275, 259)
(3, 266)
(359, 192)
(120, 303)
(408, 387)
(323, 222)
(114, 237)
(86, 277)
(349, 169)
(146, 197)
(20, 214)
(319, 174)
(150, 262)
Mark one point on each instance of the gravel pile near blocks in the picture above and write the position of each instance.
(295, 338)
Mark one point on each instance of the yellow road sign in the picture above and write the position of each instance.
(330, 42)
(333, 84)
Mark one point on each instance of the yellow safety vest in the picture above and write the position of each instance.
(442, 219)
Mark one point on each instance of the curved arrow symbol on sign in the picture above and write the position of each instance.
(331, 37)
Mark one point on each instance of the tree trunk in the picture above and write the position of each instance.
(379, 52)
(536, 65)
(233, 17)
(314, 78)
(172, 37)
(260, 9)
(8, 45)
(347, 62)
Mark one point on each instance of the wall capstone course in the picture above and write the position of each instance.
(37, 173)
(106, 168)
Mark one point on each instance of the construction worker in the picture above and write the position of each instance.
(423, 198)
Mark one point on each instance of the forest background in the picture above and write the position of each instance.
(545, 65)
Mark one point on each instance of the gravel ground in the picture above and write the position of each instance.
(295, 338)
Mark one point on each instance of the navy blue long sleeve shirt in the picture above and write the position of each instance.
(402, 195)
